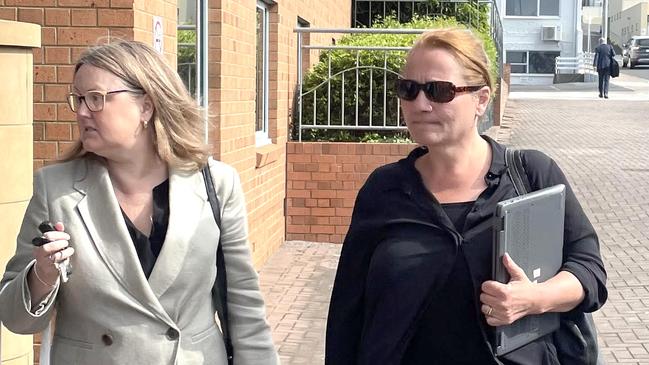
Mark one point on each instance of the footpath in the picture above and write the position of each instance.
(602, 146)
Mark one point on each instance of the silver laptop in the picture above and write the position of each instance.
(530, 228)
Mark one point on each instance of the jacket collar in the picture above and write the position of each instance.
(101, 214)
(412, 177)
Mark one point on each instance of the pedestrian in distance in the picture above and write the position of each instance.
(132, 215)
(413, 284)
(604, 55)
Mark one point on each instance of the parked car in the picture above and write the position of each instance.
(635, 51)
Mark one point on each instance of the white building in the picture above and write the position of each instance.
(632, 19)
(535, 32)
(616, 6)
(591, 24)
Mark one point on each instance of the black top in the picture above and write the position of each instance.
(457, 213)
(148, 248)
(604, 53)
(449, 322)
(402, 248)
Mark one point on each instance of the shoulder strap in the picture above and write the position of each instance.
(220, 289)
(516, 171)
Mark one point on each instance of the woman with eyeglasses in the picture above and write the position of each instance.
(130, 216)
(414, 283)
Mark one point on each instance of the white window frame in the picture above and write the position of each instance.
(538, 11)
(200, 89)
(527, 63)
(261, 137)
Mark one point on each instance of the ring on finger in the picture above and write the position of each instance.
(491, 309)
(52, 258)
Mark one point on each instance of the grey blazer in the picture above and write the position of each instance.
(108, 312)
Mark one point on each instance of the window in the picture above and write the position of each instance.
(549, 7)
(187, 45)
(532, 62)
(191, 42)
(542, 62)
(518, 61)
(532, 8)
(261, 97)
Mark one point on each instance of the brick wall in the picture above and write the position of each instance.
(502, 95)
(232, 87)
(323, 180)
(68, 28)
(141, 19)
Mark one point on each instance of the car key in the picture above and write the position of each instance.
(64, 267)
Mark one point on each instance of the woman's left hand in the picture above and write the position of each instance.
(502, 304)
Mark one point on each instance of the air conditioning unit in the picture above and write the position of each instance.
(551, 33)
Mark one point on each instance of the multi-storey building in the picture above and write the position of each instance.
(535, 33)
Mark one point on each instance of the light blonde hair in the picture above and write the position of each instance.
(467, 49)
(178, 122)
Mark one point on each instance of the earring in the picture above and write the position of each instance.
(145, 123)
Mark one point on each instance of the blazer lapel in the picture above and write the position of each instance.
(103, 219)
(187, 199)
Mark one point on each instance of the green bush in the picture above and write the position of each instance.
(186, 66)
(371, 111)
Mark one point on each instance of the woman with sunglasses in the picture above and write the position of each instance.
(131, 215)
(413, 284)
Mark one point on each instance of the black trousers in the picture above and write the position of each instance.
(604, 77)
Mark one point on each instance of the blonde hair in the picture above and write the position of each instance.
(178, 124)
(467, 49)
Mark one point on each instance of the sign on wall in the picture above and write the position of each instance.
(158, 34)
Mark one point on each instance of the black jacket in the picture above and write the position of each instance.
(604, 53)
(401, 246)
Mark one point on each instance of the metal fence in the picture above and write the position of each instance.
(581, 64)
(366, 12)
(362, 95)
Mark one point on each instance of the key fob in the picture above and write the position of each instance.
(46, 226)
(65, 269)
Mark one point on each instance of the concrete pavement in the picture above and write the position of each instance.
(625, 87)
(602, 146)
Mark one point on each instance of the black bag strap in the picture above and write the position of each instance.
(516, 171)
(220, 289)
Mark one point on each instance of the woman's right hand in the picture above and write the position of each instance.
(49, 256)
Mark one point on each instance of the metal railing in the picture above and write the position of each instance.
(581, 64)
(366, 12)
(357, 87)
(352, 87)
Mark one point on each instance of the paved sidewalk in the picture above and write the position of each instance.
(603, 147)
(297, 283)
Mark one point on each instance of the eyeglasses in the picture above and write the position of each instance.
(94, 100)
(436, 91)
